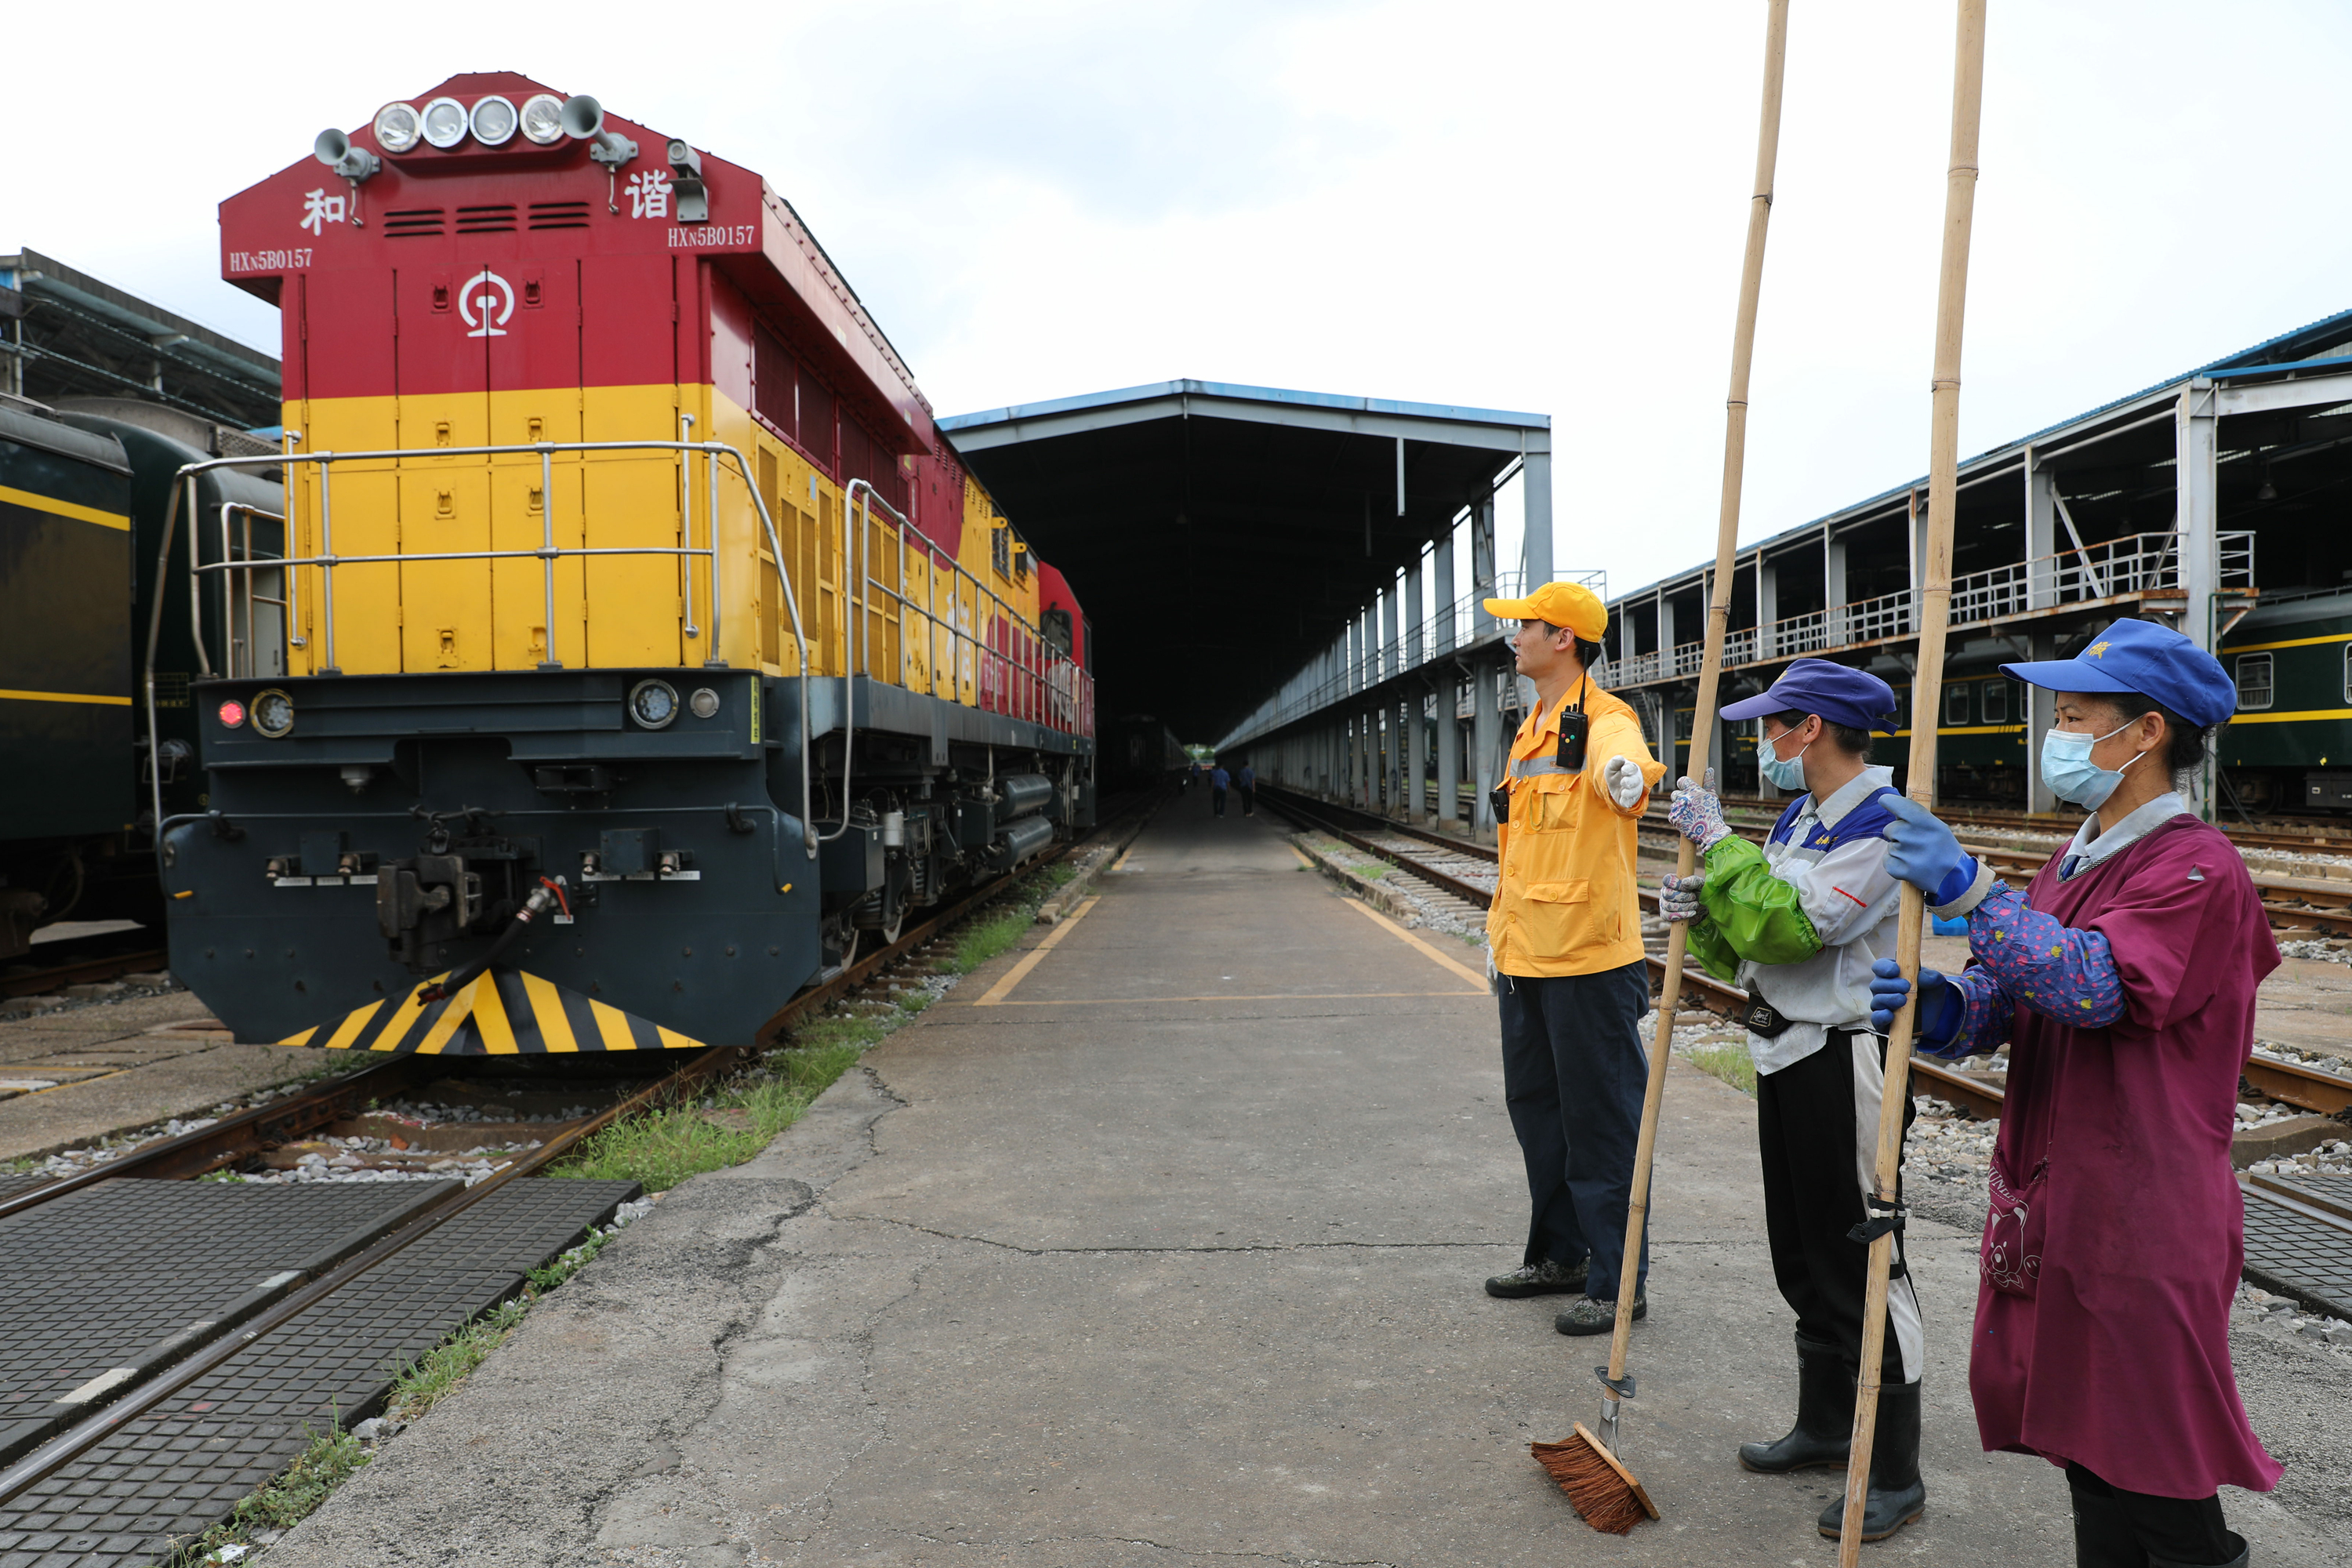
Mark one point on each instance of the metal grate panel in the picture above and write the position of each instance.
(184, 1467)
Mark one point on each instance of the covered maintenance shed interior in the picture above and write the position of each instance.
(1296, 573)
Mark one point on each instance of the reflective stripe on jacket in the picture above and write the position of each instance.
(1564, 902)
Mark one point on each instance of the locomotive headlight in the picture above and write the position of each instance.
(653, 703)
(396, 127)
(444, 123)
(542, 119)
(232, 713)
(703, 704)
(494, 121)
(273, 713)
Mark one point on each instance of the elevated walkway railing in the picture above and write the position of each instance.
(2134, 565)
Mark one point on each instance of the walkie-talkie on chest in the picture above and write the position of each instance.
(1570, 755)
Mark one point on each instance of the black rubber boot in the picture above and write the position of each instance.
(1824, 1428)
(2104, 1537)
(1897, 1495)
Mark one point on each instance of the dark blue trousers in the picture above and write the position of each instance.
(1574, 1074)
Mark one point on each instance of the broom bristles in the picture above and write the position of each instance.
(1602, 1492)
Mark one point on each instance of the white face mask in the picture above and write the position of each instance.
(1785, 775)
(2067, 768)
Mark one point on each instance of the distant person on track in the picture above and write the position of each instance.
(1565, 939)
(1219, 781)
(2124, 980)
(1798, 923)
(1246, 781)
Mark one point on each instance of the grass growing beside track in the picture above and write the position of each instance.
(665, 1147)
(333, 1458)
(1727, 1060)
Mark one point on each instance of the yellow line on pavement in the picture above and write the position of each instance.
(1401, 934)
(1020, 971)
(1266, 996)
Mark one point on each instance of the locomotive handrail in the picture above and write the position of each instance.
(548, 554)
(859, 498)
(253, 563)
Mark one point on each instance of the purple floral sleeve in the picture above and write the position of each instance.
(1984, 1021)
(2058, 972)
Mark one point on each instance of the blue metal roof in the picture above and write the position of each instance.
(2272, 354)
(1232, 390)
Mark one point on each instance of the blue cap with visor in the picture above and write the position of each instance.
(2154, 662)
(1840, 694)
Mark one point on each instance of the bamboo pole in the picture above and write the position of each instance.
(1718, 617)
(1926, 687)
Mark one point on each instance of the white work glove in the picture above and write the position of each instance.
(1678, 897)
(1621, 776)
(1696, 813)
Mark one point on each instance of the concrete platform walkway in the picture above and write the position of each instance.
(1163, 1248)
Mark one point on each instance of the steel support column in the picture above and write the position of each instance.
(1441, 565)
(1485, 728)
(1416, 652)
(2197, 478)
(1535, 483)
(2041, 534)
(1482, 567)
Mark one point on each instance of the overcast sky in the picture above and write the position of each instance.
(1536, 206)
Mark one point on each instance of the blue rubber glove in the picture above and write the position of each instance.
(1922, 851)
(1941, 1008)
(1678, 898)
(1696, 813)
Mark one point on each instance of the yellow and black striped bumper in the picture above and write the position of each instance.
(502, 1013)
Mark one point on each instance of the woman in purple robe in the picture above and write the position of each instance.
(2123, 979)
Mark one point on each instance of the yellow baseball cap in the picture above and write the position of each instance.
(1569, 605)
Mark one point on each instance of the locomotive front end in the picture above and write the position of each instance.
(612, 680)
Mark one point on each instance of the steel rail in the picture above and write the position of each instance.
(210, 1148)
(144, 1397)
(98, 966)
(1980, 1099)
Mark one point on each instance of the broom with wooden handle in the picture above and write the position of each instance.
(1587, 1467)
(1927, 686)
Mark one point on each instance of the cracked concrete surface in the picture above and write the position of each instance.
(1174, 1258)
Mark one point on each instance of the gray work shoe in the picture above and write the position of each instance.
(1545, 1278)
(1586, 1315)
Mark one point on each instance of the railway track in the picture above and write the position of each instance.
(1404, 846)
(2292, 834)
(2308, 904)
(2299, 1229)
(52, 1450)
(76, 968)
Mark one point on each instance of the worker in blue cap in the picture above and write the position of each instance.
(2123, 981)
(1800, 923)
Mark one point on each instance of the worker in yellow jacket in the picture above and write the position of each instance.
(1565, 941)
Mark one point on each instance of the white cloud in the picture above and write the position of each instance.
(1535, 207)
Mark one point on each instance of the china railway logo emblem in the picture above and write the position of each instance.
(494, 296)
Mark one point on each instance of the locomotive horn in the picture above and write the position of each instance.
(334, 149)
(583, 116)
(584, 119)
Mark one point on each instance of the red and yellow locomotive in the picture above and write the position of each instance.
(642, 632)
